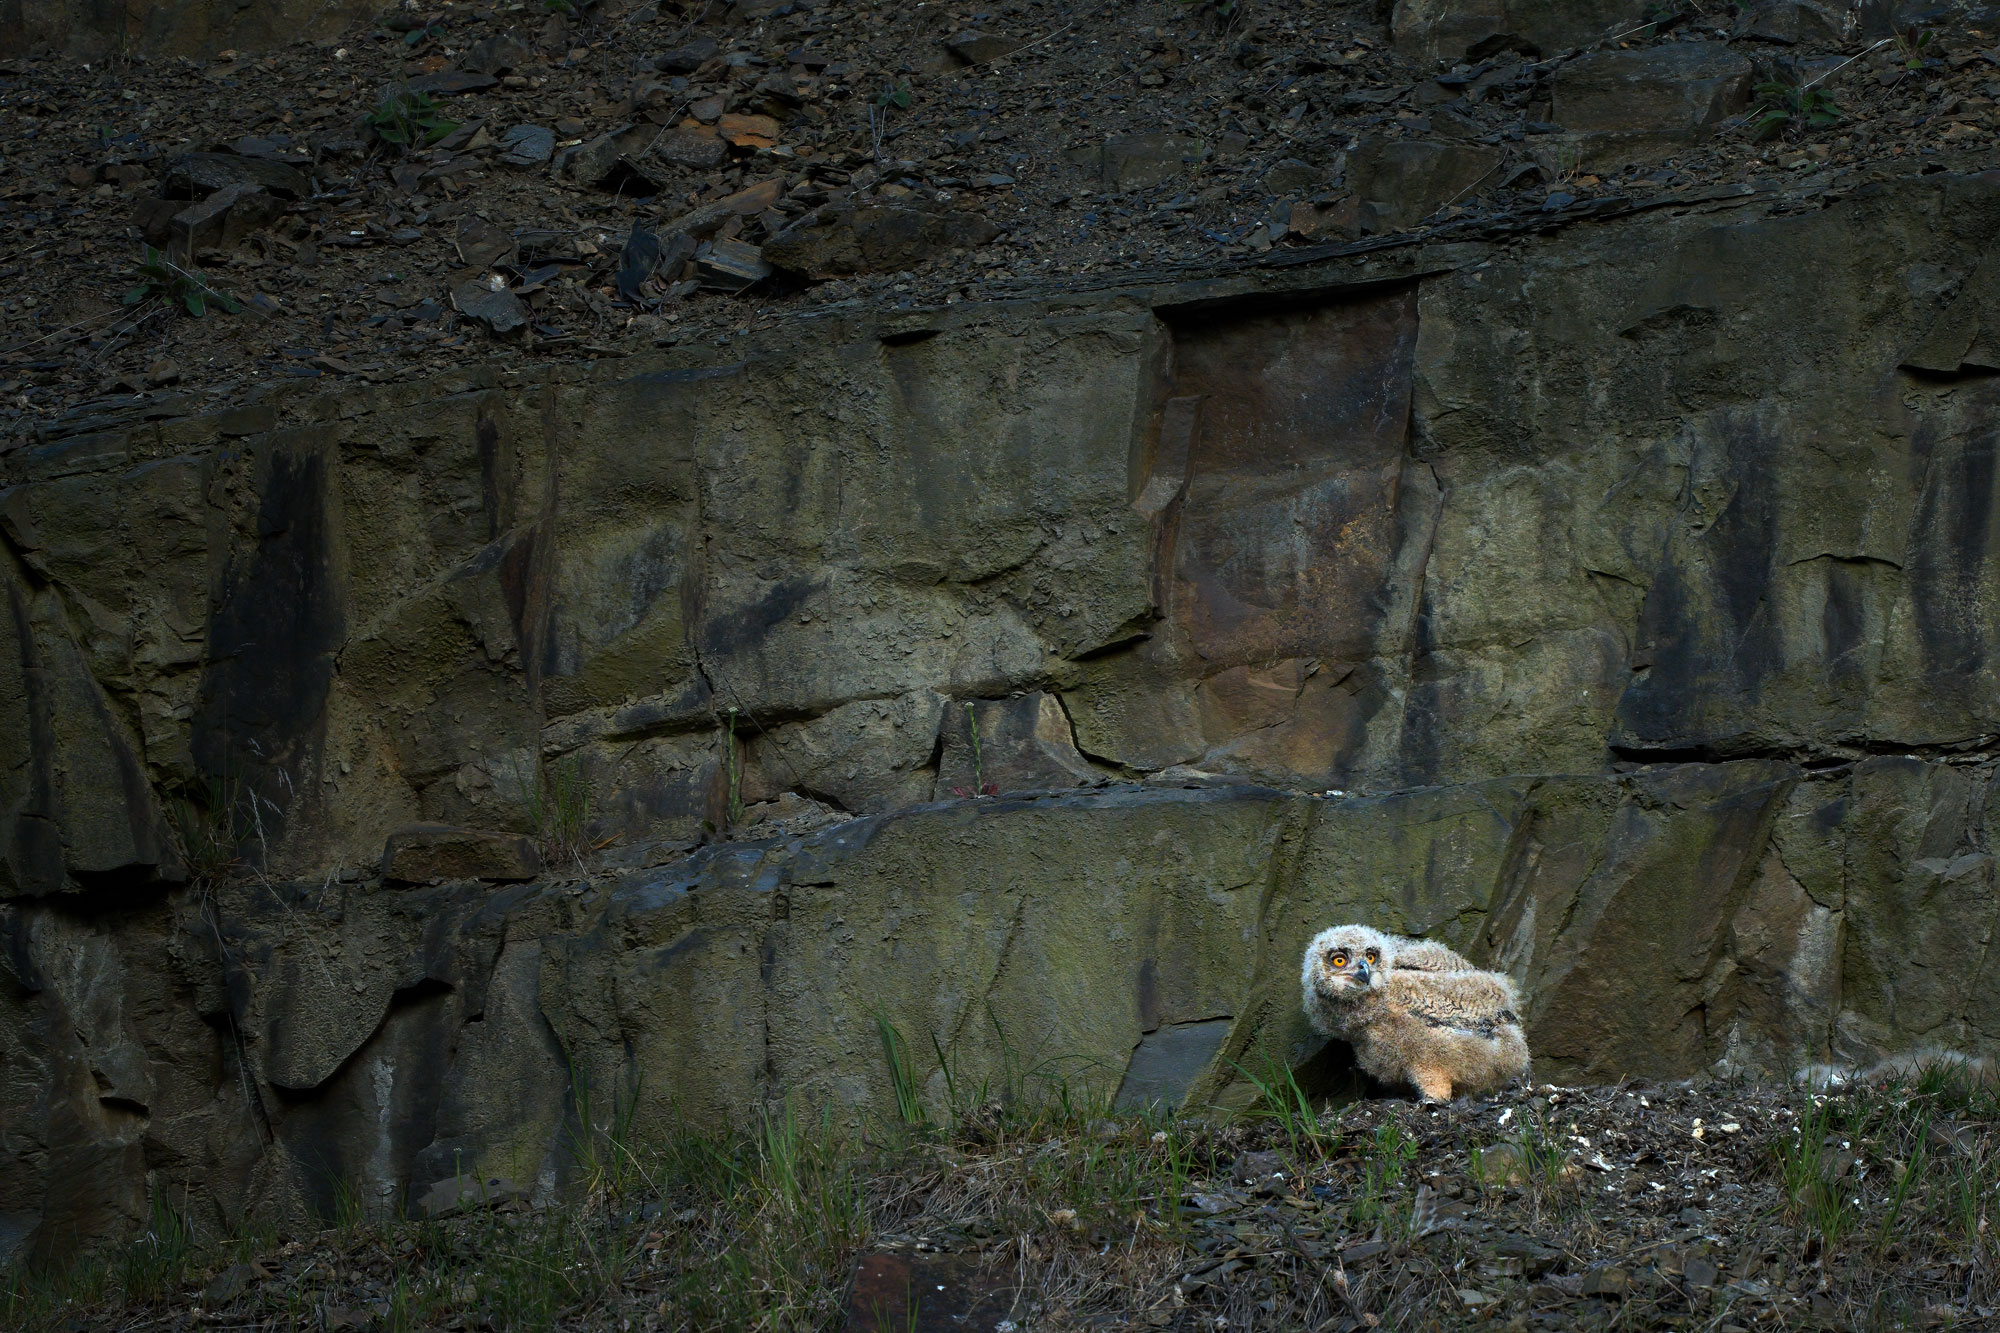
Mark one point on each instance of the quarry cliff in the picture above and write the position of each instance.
(1611, 592)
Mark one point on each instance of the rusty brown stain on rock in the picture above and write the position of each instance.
(1287, 525)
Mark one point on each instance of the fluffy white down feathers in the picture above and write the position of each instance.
(1415, 1011)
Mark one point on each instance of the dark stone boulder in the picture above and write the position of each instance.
(689, 58)
(497, 54)
(1451, 30)
(609, 158)
(1628, 105)
(1788, 22)
(1137, 161)
(223, 220)
(1023, 744)
(420, 853)
(1397, 183)
(976, 48)
(874, 238)
(198, 175)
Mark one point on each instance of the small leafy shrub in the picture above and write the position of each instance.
(210, 824)
(1912, 47)
(1387, 1155)
(891, 97)
(409, 120)
(1661, 15)
(556, 799)
(1791, 109)
(161, 279)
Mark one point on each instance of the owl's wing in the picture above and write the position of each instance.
(1474, 1002)
(1429, 956)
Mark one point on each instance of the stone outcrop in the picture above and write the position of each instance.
(1636, 585)
(423, 853)
(284, 1042)
(1631, 106)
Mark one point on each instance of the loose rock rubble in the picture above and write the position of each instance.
(460, 182)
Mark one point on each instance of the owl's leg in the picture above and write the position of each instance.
(1433, 1084)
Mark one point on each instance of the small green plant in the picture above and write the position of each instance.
(890, 97)
(732, 765)
(1660, 15)
(1389, 1152)
(1813, 1192)
(556, 798)
(1899, 1194)
(978, 755)
(1965, 1202)
(1280, 1098)
(1791, 109)
(1564, 162)
(558, 7)
(1912, 45)
(1542, 1158)
(48, 1297)
(160, 1261)
(980, 786)
(1545, 1166)
(409, 120)
(350, 1211)
(209, 824)
(162, 279)
(902, 1074)
(402, 1313)
(605, 1160)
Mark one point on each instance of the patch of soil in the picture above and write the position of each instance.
(1715, 1205)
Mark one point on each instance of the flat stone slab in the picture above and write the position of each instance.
(460, 1193)
(1166, 1063)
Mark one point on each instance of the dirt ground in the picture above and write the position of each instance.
(1718, 1206)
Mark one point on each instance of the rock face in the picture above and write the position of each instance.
(1694, 513)
(401, 1042)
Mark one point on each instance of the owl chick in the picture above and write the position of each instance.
(1446, 1032)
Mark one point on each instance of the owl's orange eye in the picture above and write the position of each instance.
(1338, 960)
(1374, 955)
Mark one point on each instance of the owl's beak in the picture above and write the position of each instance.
(1363, 972)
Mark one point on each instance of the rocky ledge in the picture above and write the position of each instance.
(284, 1045)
